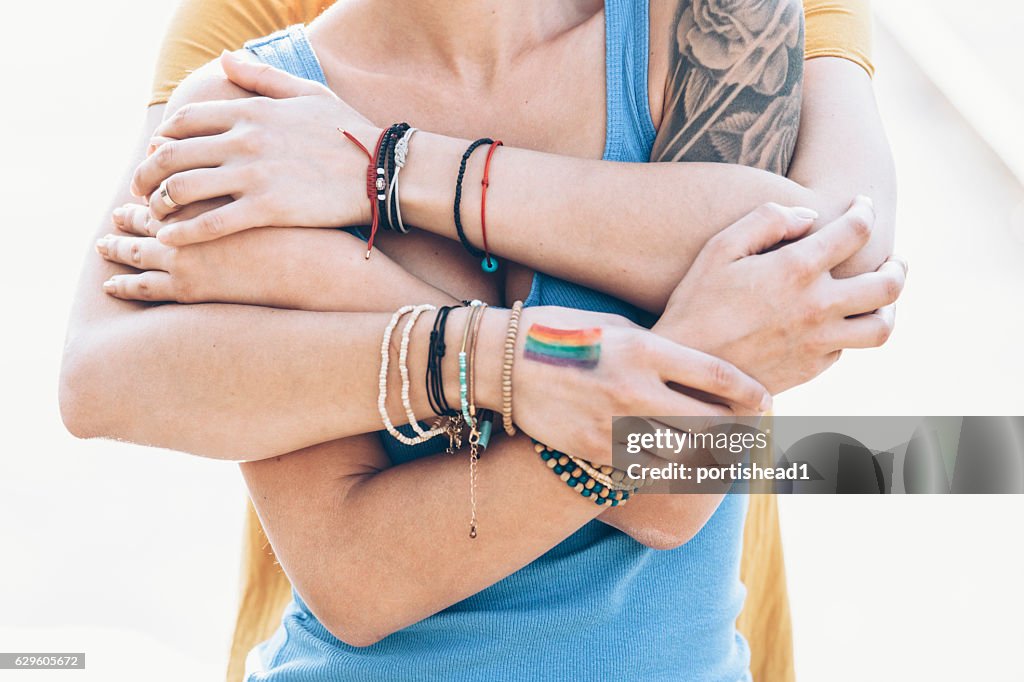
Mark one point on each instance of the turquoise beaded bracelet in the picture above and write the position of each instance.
(581, 481)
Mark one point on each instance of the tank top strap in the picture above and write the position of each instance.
(631, 132)
(289, 50)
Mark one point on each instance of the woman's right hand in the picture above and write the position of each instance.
(569, 406)
(780, 314)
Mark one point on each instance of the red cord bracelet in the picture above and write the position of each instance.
(489, 264)
(374, 184)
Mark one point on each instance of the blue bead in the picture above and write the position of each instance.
(598, 487)
(558, 469)
(598, 501)
(571, 482)
(615, 503)
(489, 264)
(545, 455)
(585, 493)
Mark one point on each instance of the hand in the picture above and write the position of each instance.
(780, 315)
(571, 409)
(281, 158)
(275, 267)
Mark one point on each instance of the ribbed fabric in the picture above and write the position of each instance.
(599, 604)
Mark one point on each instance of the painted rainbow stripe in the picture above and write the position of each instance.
(579, 348)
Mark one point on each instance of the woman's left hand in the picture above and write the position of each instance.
(280, 158)
(274, 267)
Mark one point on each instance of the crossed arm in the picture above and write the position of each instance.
(218, 356)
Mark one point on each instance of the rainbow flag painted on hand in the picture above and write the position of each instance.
(579, 348)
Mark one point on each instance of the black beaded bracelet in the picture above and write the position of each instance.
(435, 359)
(385, 169)
(477, 253)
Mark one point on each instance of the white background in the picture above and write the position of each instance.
(132, 554)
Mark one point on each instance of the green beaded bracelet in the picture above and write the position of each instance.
(582, 482)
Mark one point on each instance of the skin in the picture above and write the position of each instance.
(351, 471)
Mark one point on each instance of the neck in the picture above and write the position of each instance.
(472, 39)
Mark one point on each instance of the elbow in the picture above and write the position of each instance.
(79, 395)
(358, 621)
(883, 232)
(664, 539)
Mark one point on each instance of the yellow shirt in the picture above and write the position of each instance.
(202, 29)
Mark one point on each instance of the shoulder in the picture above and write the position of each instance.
(206, 84)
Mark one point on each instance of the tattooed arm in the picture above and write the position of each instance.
(738, 92)
(742, 110)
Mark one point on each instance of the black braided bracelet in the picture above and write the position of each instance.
(386, 163)
(435, 381)
(477, 253)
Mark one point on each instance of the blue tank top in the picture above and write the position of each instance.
(599, 604)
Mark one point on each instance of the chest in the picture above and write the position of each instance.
(552, 99)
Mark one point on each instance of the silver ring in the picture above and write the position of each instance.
(165, 196)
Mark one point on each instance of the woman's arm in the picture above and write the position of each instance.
(600, 208)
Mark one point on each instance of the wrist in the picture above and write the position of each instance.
(488, 357)
(428, 184)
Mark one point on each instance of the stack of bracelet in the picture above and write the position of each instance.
(385, 163)
(488, 262)
(603, 484)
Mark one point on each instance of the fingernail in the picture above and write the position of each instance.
(905, 264)
(118, 215)
(134, 189)
(805, 213)
(101, 246)
(165, 235)
(109, 286)
(766, 403)
(867, 200)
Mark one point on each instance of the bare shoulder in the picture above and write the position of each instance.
(207, 84)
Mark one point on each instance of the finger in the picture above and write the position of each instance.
(152, 285)
(865, 331)
(202, 118)
(175, 156)
(230, 218)
(142, 253)
(708, 374)
(135, 219)
(873, 290)
(190, 186)
(840, 239)
(763, 228)
(265, 80)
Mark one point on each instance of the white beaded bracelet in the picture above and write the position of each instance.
(382, 395)
(403, 356)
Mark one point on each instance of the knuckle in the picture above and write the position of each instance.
(771, 212)
(893, 289)
(183, 113)
(135, 253)
(211, 223)
(178, 187)
(719, 374)
(163, 157)
(143, 290)
(883, 332)
(860, 226)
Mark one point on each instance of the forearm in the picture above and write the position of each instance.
(602, 224)
(372, 552)
(622, 219)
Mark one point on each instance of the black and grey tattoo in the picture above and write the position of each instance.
(735, 82)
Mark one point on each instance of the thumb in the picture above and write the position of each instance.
(766, 227)
(264, 79)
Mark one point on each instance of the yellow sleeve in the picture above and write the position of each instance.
(202, 29)
(839, 28)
